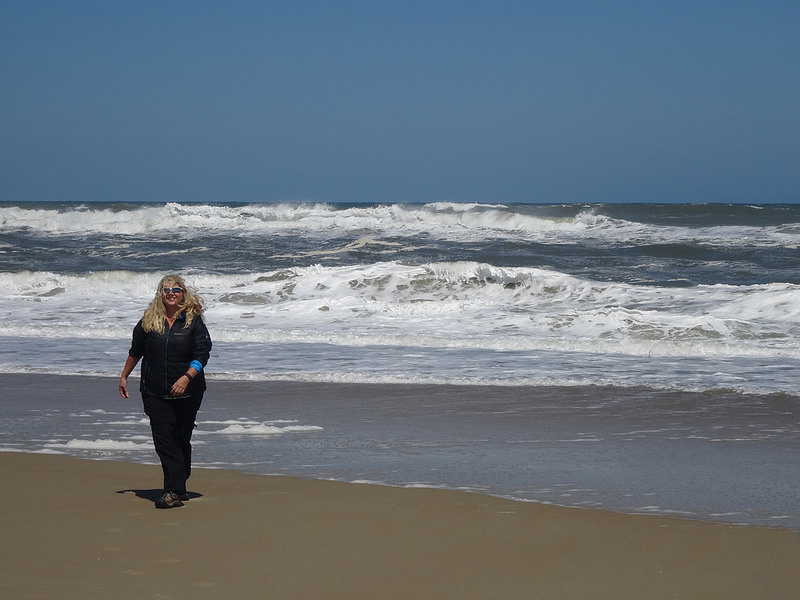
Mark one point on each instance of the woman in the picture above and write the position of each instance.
(174, 343)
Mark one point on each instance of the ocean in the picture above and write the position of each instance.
(611, 302)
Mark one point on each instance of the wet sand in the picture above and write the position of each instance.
(713, 457)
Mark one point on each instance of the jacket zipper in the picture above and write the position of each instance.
(167, 387)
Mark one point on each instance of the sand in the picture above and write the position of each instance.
(77, 529)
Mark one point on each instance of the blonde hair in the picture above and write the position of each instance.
(191, 307)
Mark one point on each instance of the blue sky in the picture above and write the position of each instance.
(345, 101)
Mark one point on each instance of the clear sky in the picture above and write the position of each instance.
(384, 101)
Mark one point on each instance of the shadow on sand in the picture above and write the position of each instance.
(154, 494)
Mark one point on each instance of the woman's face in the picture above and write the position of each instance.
(169, 296)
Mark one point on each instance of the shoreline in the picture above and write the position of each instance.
(595, 448)
(74, 527)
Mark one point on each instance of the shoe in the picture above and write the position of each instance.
(169, 500)
(184, 497)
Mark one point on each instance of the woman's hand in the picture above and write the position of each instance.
(179, 387)
(130, 363)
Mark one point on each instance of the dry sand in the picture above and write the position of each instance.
(78, 529)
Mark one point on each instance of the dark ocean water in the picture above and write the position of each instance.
(696, 297)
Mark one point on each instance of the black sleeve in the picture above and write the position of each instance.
(138, 341)
(202, 342)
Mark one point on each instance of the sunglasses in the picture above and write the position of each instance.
(174, 290)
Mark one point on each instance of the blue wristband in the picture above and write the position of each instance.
(196, 365)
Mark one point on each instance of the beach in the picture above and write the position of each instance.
(76, 528)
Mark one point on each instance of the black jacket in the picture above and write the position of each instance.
(166, 356)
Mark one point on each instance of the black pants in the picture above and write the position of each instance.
(172, 422)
